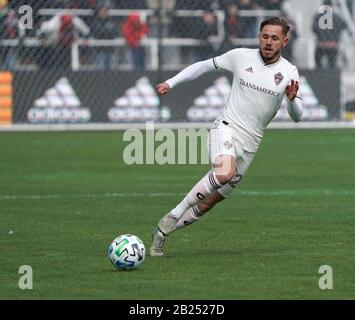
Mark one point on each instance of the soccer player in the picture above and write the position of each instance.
(261, 78)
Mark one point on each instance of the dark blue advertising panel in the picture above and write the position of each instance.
(121, 97)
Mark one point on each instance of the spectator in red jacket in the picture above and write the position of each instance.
(133, 31)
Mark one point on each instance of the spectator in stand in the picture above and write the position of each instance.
(8, 30)
(214, 5)
(55, 4)
(270, 4)
(231, 27)
(165, 13)
(287, 53)
(57, 36)
(134, 31)
(247, 25)
(208, 32)
(198, 4)
(104, 27)
(86, 4)
(130, 4)
(327, 39)
(184, 27)
(35, 6)
(187, 5)
(39, 4)
(350, 4)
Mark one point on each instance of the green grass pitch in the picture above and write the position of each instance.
(65, 196)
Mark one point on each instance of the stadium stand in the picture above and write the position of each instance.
(94, 35)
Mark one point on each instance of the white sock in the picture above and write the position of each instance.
(190, 216)
(207, 185)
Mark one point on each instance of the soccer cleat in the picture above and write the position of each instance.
(157, 248)
(167, 224)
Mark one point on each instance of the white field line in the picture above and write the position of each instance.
(311, 192)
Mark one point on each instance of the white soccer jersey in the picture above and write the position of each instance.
(257, 92)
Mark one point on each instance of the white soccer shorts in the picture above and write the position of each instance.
(222, 140)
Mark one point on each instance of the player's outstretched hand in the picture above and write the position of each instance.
(162, 88)
(292, 89)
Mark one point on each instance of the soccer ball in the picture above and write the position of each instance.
(126, 252)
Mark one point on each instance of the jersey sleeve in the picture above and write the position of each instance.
(294, 74)
(227, 61)
(295, 107)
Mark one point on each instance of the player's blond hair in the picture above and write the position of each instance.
(276, 21)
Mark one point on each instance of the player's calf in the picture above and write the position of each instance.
(196, 212)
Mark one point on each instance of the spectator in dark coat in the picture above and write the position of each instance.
(104, 27)
(327, 38)
(130, 4)
(231, 27)
(247, 25)
(207, 32)
(287, 52)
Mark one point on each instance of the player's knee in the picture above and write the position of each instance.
(225, 177)
(224, 168)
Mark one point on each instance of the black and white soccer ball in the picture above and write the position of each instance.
(126, 252)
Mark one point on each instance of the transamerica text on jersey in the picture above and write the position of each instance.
(258, 88)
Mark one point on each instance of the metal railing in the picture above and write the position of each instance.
(152, 45)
